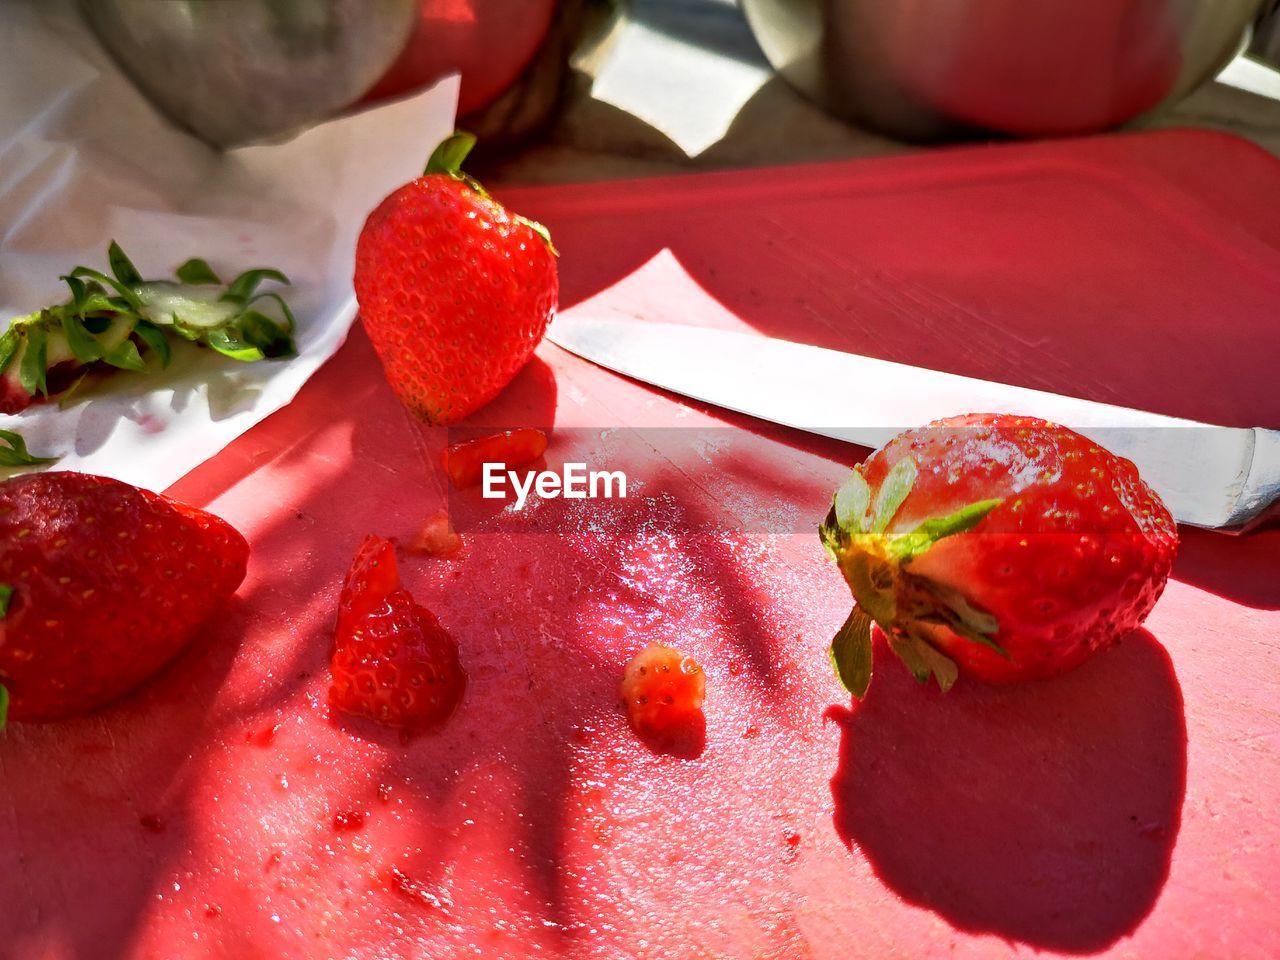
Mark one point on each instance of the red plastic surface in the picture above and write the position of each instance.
(1127, 809)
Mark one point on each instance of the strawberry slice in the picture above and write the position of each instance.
(464, 462)
(392, 661)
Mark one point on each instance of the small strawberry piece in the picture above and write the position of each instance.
(392, 661)
(1000, 547)
(105, 583)
(663, 692)
(455, 292)
(436, 538)
(464, 462)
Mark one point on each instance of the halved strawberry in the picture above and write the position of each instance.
(392, 660)
(1002, 547)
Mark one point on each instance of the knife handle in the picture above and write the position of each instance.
(1260, 496)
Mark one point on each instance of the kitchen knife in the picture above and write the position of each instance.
(1222, 478)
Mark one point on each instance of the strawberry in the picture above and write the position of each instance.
(111, 321)
(392, 661)
(103, 584)
(455, 292)
(663, 691)
(464, 462)
(1001, 547)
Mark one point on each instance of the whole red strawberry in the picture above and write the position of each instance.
(101, 584)
(1001, 547)
(392, 661)
(455, 292)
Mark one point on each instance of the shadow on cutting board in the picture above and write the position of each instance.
(1245, 569)
(1030, 816)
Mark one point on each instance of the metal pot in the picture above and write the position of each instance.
(930, 68)
(239, 70)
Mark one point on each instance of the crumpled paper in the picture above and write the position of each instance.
(85, 159)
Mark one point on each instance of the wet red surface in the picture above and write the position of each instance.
(1128, 807)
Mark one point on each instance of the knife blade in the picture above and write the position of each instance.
(1220, 478)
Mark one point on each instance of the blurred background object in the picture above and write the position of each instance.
(591, 89)
(1266, 37)
(513, 86)
(235, 71)
(925, 69)
(240, 70)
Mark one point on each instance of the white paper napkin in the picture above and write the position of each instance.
(85, 159)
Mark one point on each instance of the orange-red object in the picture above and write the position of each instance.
(663, 691)
(464, 462)
(436, 538)
(488, 42)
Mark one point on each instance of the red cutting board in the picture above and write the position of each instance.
(1129, 808)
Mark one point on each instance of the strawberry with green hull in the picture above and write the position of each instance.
(1000, 547)
(101, 585)
(455, 291)
(113, 321)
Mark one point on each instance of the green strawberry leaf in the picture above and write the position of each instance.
(14, 453)
(79, 291)
(975, 636)
(966, 518)
(923, 660)
(230, 346)
(289, 323)
(197, 271)
(83, 345)
(977, 620)
(892, 492)
(851, 653)
(449, 156)
(243, 286)
(125, 356)
(122, 266)
(32, 370)
(851, 504)
(872, 586)
(9, 344)
(129, 296)
(4, 707)
(910, 545)
(260, 331)
(155, 340)
(95, 304)
(6, 594)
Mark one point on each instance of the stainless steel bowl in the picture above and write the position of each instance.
(931, 68)
(233, 71)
